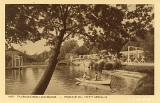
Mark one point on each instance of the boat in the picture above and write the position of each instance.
(101, 82)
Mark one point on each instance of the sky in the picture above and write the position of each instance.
(32, 48)
(37, 47)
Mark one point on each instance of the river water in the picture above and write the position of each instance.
(22, 82)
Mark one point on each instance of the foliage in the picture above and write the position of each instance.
(67, 56)
(139, 23)
(91, 64)
(145, 86)
(104, 23)
(148, 47)
(95, 66)
(105, 65)
(82, 50)
(112, 66)
(101, 65)
(108, 66)
(117, 65)
(141, 20)
(45, 21)
(147, 44)
(69, 46)
(106, 30)
(41, 57)
(8, 59)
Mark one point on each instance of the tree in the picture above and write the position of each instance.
(69, 46)
(8, 59)
(107, 31)
(56, 23)
(147, 44)
(82, 50)
(148, 47)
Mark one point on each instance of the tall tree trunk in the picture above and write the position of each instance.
(43, 83)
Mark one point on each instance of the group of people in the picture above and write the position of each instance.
(85, 76)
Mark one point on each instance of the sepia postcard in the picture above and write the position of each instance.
(79, 51)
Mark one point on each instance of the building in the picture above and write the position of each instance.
(13, 58)
(133, 55)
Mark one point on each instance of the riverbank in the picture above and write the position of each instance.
(123, 82)
(145, 86)
(129, 82)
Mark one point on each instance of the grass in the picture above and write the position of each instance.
(142, 69)
(117, 66)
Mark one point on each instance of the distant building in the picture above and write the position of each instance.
(11, 57)
(133, 54)
(12, 51)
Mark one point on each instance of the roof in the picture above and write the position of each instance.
(12, 51)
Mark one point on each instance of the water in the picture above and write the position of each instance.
(62, 82)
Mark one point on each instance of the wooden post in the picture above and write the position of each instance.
(12, 61)
(79, 57)
(22, 61)
(138, 54)
(15, 60)
(71, 58)
(19, 59)
(128, 59)
(128, 53)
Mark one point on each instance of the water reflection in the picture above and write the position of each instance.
(63, 81)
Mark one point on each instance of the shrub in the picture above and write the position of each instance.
(91, 64)
(117, 65)
(145, 86)
(101, 65)
(95, 66)
(108, 66)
